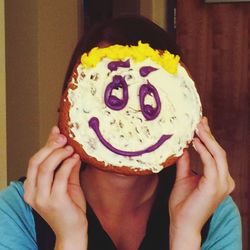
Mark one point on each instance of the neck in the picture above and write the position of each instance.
(118, 194)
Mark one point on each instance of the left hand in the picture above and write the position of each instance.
(53, 189)
(194, 198)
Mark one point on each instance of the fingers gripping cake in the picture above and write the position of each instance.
(130, 109)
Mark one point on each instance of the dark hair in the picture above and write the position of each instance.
(123, 30)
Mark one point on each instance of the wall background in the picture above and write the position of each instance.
(40, 38)
(3, 150)
(216, 48)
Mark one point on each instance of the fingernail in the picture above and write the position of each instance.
(76, 156)
(205, 120)
(60, 139)
(68, 148)
(194, 145)
(197, 131)
(55, 130)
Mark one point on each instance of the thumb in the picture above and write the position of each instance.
(74, 177)
(74, 189)
(183, 169)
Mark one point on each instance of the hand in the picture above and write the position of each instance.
(52, 188)
(194, 198)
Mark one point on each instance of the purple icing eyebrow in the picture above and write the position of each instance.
(114, 65)
(94, 124)
(146, 70)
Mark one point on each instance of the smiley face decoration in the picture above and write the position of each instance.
(130, 109)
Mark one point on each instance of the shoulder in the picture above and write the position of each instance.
(225, 228)
(11, 200)
(17, 227)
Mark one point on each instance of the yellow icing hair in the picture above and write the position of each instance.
(138, 53)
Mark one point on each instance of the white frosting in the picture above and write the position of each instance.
(127, 129)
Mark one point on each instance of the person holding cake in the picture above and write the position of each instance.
(115, 173)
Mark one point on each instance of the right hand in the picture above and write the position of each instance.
(194, 198)
(57, 195)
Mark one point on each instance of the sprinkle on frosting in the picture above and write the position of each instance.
(138, 53)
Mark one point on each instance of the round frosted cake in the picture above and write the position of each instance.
(130, 109)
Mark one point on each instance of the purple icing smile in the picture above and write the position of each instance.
(94, 124)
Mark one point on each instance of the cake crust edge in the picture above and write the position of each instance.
(63, 124)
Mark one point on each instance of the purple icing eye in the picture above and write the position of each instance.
(148, 111)
(112, 101)
(114, 65)
(146, 70)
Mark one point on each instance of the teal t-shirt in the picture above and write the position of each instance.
(17, 226)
